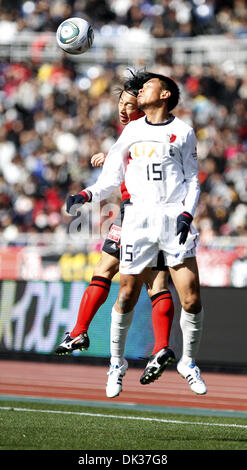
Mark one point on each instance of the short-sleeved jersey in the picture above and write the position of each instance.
(157, 161)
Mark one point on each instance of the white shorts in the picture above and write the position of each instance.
(145, 232)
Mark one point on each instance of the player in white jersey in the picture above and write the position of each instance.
(96, 293)
(162, 183)
(157, 157)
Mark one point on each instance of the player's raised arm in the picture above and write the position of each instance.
(113, 171)
(112, 176)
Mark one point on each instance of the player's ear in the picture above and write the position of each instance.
(165, 94)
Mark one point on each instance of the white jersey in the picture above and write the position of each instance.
(158, 163)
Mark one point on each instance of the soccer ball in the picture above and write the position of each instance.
(75, 35)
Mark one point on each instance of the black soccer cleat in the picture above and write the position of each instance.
(80, 342)
(156, 365)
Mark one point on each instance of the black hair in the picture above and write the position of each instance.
(133, 84)
(136, 81)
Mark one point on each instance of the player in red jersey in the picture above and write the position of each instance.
(98, 290)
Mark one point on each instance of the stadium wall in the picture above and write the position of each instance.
(34, 315)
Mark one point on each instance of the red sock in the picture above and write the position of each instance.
(94, 296)
(162, 317)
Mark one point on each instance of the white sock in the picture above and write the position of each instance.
(120, 323)
(191, 326)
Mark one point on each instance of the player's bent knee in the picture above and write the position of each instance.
(191, 304)
(126, 299)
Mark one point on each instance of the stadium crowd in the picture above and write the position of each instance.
(162, 18)
(53, 119)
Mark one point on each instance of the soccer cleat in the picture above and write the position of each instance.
(193, 375)
(156, 365)
(115, 377)
(80, 342)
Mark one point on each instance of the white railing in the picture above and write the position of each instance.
(60, 242)
(56, 243)
(128, 49)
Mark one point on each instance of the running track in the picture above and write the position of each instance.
(87, 383)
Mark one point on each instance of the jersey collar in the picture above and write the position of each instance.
(162, 123)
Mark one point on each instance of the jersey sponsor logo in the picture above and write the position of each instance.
(114, 233)
(143, 149)
(149, 149)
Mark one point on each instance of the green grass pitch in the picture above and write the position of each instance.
(54, 426)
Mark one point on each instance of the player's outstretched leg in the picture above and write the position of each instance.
(80, 342)
(94, 296)
(156, 365)
(162, 355)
